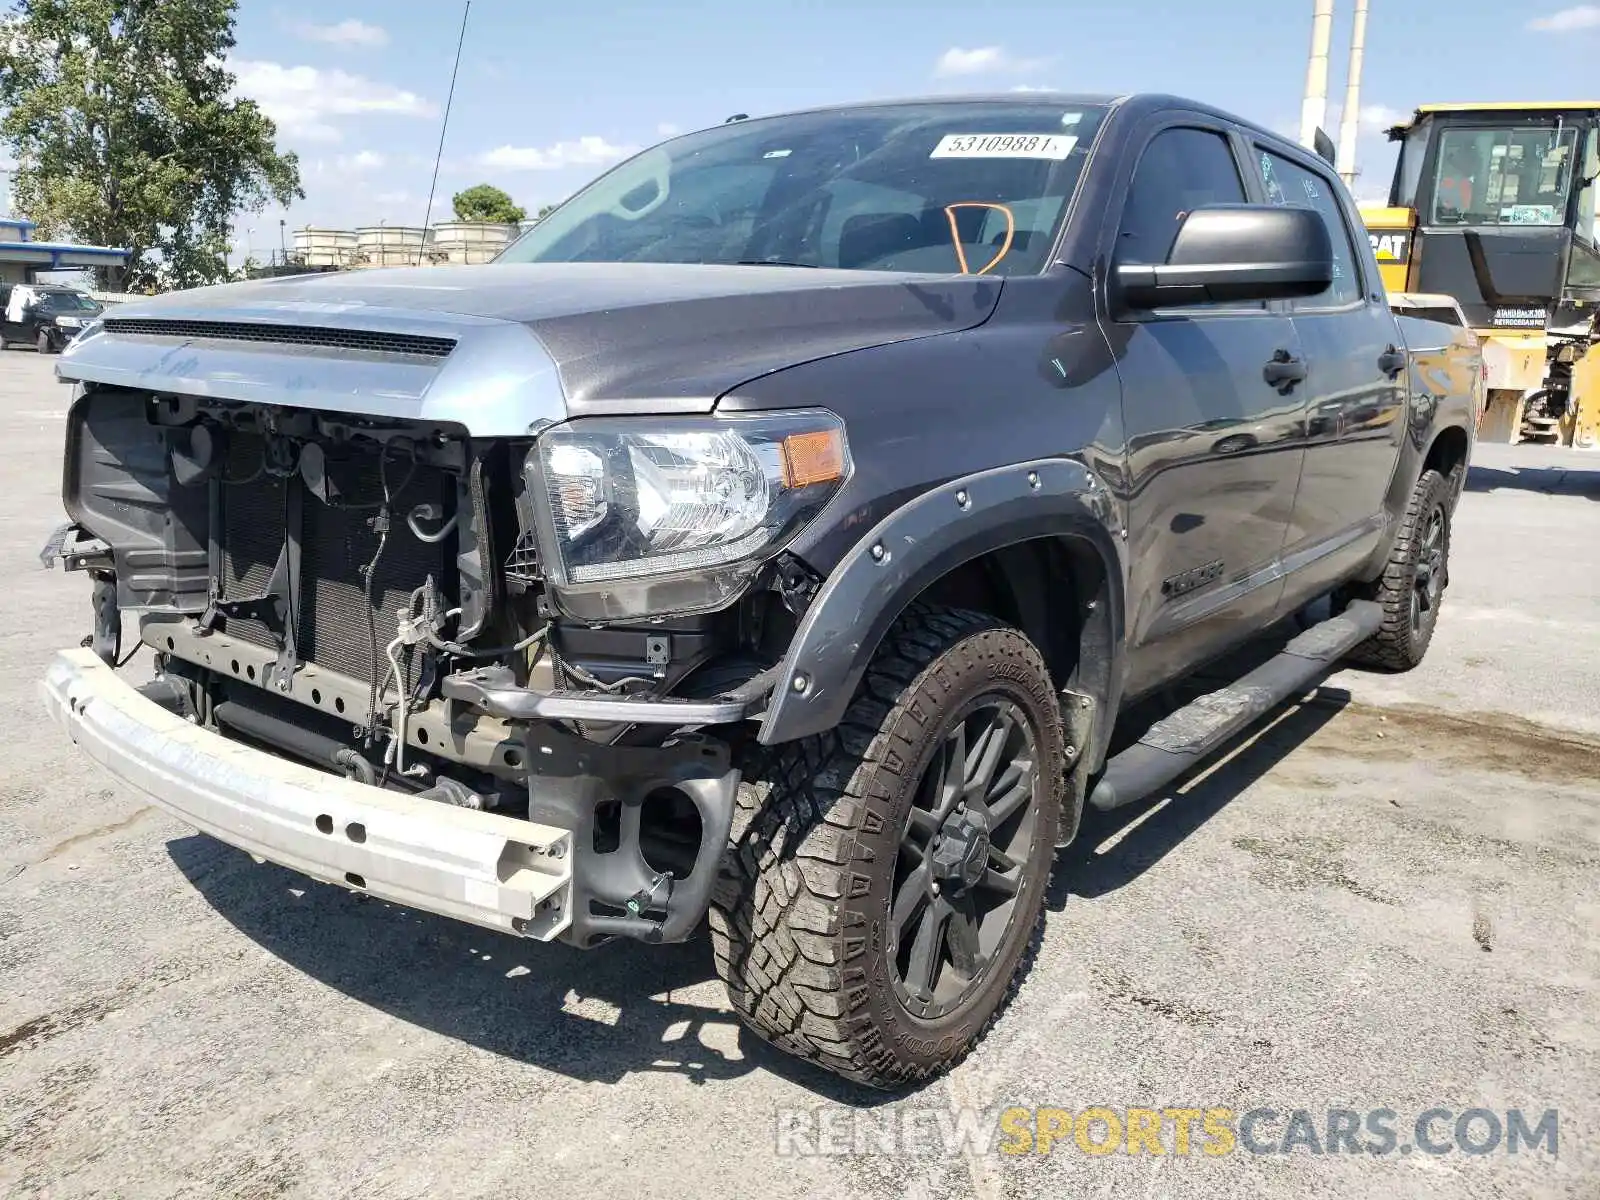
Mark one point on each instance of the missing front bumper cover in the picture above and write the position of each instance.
(545, 877)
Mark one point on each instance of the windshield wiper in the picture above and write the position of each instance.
(770, 262)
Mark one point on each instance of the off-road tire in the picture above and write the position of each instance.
(798, 921)
(1400, 645)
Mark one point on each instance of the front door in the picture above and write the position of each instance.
(1213, 448)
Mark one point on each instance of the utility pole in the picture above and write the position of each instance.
(1350, 120)
(1314, 109)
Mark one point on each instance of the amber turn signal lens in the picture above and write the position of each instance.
(810, 458)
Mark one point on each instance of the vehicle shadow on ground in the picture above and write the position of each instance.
(596, 1015)
(1552, 481)
(624, 1008)
(1114, 848)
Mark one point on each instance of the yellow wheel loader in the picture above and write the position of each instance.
(1494, 205)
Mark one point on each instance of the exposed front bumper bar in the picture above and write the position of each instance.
(491, 870)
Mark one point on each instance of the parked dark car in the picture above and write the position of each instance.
(774, 533)
(44, 316)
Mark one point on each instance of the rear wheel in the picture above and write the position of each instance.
(1411, 588)
(886, 880)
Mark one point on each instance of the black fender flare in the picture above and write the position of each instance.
(915, 546)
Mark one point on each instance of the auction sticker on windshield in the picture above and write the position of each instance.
(1004, 145)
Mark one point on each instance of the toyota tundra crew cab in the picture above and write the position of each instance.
(771, 537)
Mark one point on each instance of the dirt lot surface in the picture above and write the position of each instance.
(1386, 900)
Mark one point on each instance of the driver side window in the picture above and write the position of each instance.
(1180, 170)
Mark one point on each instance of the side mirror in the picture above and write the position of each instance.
(1231, 253)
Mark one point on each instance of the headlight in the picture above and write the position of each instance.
(669, 514)
(69, 322)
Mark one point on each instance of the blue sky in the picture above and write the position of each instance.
(550, 94)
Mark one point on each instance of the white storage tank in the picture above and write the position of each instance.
(393, 246)
(317, 246)
(471, 241)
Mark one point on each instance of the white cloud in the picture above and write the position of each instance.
(1374, 118)
(1582, 16)
(399, 197)
(303, 99)
(1028, 87)
(669, 129)
(587, 151)
(365, 160)
(984, 60)
(348, 32)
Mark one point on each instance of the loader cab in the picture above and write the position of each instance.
(1495, 205)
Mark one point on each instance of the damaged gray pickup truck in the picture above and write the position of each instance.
(772, 536)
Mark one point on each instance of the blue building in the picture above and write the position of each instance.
(22, 258)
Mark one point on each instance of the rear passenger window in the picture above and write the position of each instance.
(1290, 184)
(1181, 169)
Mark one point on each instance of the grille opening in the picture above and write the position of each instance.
(331, 615)
(418, 345)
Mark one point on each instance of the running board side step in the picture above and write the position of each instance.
(1178, 742)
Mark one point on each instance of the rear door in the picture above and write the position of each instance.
(1213, 448)
(1355, 388)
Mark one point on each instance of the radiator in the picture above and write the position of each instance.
(336, 542)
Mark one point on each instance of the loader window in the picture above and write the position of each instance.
(1408, 168)
(1589, 184)
(1504, 176)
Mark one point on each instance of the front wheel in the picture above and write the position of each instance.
(886, 879)
(1411, 588)
(44, 344)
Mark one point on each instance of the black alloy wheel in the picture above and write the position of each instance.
(884, 891)
(968, 833)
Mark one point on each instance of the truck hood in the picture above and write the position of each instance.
(501, 349)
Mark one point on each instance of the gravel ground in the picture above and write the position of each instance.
(1386, 900)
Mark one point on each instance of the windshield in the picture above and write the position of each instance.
(945, 187)
(1503, 176)
(65, 301)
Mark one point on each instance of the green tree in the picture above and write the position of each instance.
(544, 211)
(121, 119)
(485, 202)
